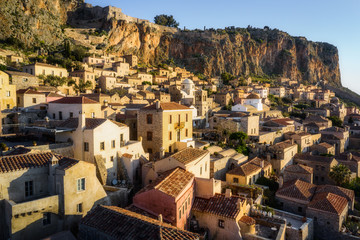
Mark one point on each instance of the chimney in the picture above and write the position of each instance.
(157, 104)
(228, 193)
(160, 218)
(82, 120)
(162, 153)
(238, 204)
(292, 141)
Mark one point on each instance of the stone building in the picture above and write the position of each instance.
(165, 127)
(249, 172)
(327, 205)
(43, 193)
(105, 143)
(27, 98)
(220, 214)
(171, 195)
(337, 136)
(133, 226)
(298, 171)
(38, 69)
(70, 107)
(281, 155)
(323, 148)
(22, 80)
(222, 98)
(321, 166)
(193, 160)
(7, 92)
(303, 140)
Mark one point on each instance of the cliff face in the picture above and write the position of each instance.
(35, 22)
(237, 50)
(240, 52)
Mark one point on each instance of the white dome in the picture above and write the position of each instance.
(187, 81)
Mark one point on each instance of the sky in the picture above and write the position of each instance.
(335, 22)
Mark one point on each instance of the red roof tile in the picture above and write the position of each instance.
(74, 100)
(119, 223)
(249, 167)
(219, 205)
(171, 182)
(299, 168)
(90, 123)
(297, 189)
(167, 106)
(188, 155)
(328, 202)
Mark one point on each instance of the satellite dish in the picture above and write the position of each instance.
(114, 182)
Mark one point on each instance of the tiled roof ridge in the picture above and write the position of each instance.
(172, 172)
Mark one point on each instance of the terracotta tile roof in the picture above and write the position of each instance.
(74, 100)
(218, 205)
(328, 202)
(325, 145)
(145, 213)
(27, 91)
(283, 121)
(247, 220)
(119, 124)
(299, 168)
(313, 158)
(253, 96)
(127, 155)
(188, 155)
(297, 189)
(33, 160)
(167, 106)
(19, 73)
(90, 123)
(249, 167)
(171, 182)
(119, 223)
(282, 145)
(343, 192)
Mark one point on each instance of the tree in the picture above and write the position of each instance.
(336, 121)
(166, 20)
(226, 78)
(81, 86)
(340, 174)
(239, 137)
(54, 81)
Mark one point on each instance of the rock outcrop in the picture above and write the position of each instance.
(240, 51)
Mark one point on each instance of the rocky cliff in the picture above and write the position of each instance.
(240, 51)
(35, 22)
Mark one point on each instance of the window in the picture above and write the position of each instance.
(52, 72)
(54, 116)
(113, 143)
(322, 179)
(150, 150)
(112, 158)
(299, 209)
(8, 93)
(316, 178)
(102, 146)
(8, 106)
(121, 140)
(46, 219)
(86, 146)
(221, 223)
(315, 219)
(60, 74)
(60, 115)
(149, 136)
(71, 114)
(186, 132)
(149, 119)
(43, 72)
(205, 167)
(179, 117)
(81, 184)
(170, 149)
(200, 170)
(170, 135)
(187, 117)
(179, 213)
(29, 190)
(79, 208)
(34, 100)
(170, 119)
(236, 180)
(93, 115)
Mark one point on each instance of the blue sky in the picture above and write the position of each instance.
(335, 22)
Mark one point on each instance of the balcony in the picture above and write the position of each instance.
(45, 204)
